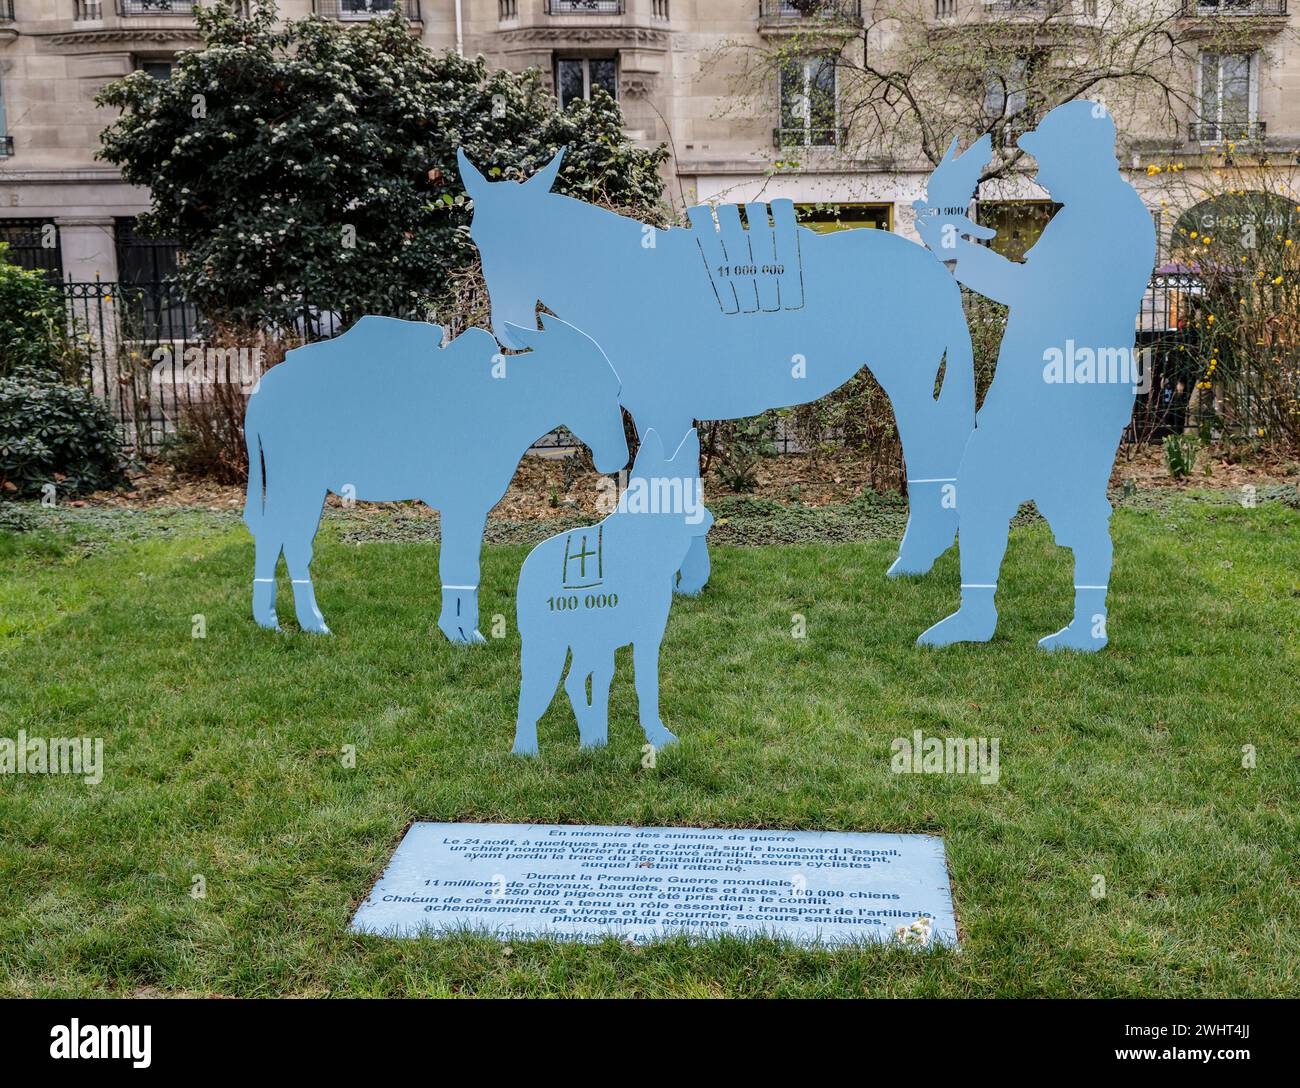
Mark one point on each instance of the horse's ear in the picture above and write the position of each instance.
(652, 446)
(688, 452)
(474, 182)
(545, 177)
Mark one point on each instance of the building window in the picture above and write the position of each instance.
(34, 244)
(828, 218)
(1228, 97)
(808, 103)
(577, 77)
(6, 141)
(141, 259)
(160, 69)
(1018, 223)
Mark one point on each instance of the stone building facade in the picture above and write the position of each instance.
(673, 64)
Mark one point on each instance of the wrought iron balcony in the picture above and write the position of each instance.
(352, 10)
(1041, 7)
(507, 9)
(584, 7)
(809, 11)
(1203, 9)
(6, 146)
(87, 10)
(809, 137)
(6, 11)
(1214, 132)
(152, 7)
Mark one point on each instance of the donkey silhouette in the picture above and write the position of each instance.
(854, 298)
(594, 589)
(384, 414)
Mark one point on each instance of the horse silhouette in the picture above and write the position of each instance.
(651, 299)
(383, 414)
(594, 589)
(1063, 391)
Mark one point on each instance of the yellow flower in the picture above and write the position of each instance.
(1277, 282)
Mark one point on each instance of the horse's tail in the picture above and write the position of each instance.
(255, 497)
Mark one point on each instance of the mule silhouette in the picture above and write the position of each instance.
(384, 414)
(820, 307)
(594, 589)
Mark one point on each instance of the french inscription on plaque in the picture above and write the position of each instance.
(642, 883)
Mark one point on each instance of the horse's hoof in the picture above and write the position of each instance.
(687, 586)
(660, 738)
(908, 567)
(1068, 638)
(961, 626)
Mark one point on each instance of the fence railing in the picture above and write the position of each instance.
(6, 11)
(87, 10)
(148, 359)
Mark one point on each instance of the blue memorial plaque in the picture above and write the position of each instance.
(642, 883)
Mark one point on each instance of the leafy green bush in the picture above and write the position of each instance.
(312, 160)
(734, 447)
(57, 434)
(32, 325)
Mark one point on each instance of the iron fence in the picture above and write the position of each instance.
(150, 357)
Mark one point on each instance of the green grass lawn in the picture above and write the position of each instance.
(223, 759)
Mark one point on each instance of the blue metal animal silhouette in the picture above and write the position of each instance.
(383, 413)
(1063, 391)
(723, 323)
(595, 589)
